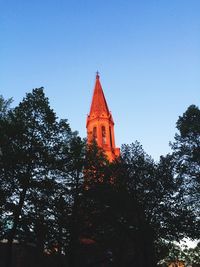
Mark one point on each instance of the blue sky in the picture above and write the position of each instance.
(147, 53)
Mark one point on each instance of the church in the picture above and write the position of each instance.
(100, 123)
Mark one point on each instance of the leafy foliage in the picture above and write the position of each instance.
(4, 106)
(187, 147)
(190, 256)
(186, 153)
(37, 165)
(69, 202)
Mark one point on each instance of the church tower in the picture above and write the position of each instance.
(100, 124)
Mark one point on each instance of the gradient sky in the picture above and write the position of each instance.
(147, 53)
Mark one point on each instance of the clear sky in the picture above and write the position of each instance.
(147, 53)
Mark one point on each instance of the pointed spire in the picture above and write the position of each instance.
(100, 124)
(99, 105)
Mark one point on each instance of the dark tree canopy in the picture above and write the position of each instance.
(4, 106)
(189, 123)
(72, 207)
(38, 164)
(187, 145)
(186, 153)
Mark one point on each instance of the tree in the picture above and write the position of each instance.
(144, 186)
(160, 208)
(186, 153)
(4, 106)
(190, 256)
(127, 208)
(38, 161)
(186, 147)
(28, 131)
(193, 255)
(4, 190)
(115, 206)
(94, 173)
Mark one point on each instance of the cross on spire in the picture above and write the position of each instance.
(97, 75)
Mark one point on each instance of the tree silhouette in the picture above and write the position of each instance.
(75, 208)
(186, 152)
(37, 159)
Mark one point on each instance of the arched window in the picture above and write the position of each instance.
(94, 133)
(103, 130)
(110, 137)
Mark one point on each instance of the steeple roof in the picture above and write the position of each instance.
(99, 105)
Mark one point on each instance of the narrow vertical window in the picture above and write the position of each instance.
(95, 133)
(110, 137)
(103, 129)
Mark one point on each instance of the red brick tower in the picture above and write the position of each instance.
(100, 124)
